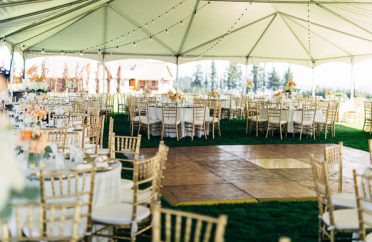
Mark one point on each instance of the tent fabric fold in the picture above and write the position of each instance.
(303, 32)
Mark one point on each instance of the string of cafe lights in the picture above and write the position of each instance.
(134, 30)
(222, 38)
(133, 43)
(308, 29)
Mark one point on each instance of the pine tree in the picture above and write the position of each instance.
(198, 77)
(273, 80)
(206, 83)
(234, 75)
(213, 76)
(288, 75)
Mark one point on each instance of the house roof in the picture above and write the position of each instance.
(155, 71)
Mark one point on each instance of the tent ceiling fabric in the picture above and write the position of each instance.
(236, 30)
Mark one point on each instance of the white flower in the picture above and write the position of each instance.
(11, 177)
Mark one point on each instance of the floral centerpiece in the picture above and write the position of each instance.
(214, 94)
(12, 179)
(37, 86)
(249, 84)
(290, 87)
(329, 94)
(279, 94)
(34, 112)
(174, 96)
(35, 145)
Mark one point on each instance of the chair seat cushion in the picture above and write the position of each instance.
(368, 238)
(171, 122)
(346, 200)
(149, 121)
(345, 219)
(257, 119)
(126, 184)
(119, 213)
(210, 120)
(305, 123)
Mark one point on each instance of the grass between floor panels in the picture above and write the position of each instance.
(263, 221)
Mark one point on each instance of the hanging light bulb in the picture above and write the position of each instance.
(42, 51)
(181, 22)
(62, 52)
(151, 38)
(99, 51)
(134, 44)
(166, 31)
(81, 53)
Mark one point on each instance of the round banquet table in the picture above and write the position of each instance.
(106, 191)
(291, 115)
(183, 114)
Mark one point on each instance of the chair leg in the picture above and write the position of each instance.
(163, 130)
(148, 131)
(301, 132)
(280, 130)
(267, 131)
(219, 129)
(177, 132)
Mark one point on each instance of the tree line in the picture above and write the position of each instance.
(233, 79)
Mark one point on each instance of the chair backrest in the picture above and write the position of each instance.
(332, 111)
(70, 186)
(45, 222)
(163, 152)
(363, 194)
(90, 137)
(145, 181)
(58, 136)
(125, 145)
(321, 185)
(333, 158)
(170, 112)
(274, 113)
(186, 226)
(308, 114)
(198, 113)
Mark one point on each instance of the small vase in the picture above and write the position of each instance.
(34, 160)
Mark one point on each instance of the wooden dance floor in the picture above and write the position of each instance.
(247, 173)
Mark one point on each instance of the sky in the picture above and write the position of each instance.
(334, 75)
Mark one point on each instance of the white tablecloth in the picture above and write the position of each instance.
(184, 114)
(291, 115)
(107, 190)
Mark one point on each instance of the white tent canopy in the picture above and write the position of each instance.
(303, 32)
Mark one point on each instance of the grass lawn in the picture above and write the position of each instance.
(266, 221)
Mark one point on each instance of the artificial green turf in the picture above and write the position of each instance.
(266, 221)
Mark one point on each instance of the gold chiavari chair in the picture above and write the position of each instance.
(198, 121)
(133, 116)
(45, 222)
(163, 152)
(329, 122)
(70, 186)
(90, 138)
(125, 149)
(331, 221)
(370, 150)
(190, 226)
(145, 121)
(77, 120)
(57, 136)
(307, 122)
(367, 116)
(137, 216)
(333, 159)
(276, 120)
(170, 120)
(253, 117)
(110, 99)
(213, 121)
(363, 194)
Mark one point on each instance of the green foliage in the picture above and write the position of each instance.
(184, 84)
(234, 76)
(198, 77)
(288, 75)
(27, 194)
(213, 76)
(273, 80)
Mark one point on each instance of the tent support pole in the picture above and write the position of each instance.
(11, 72)
(246, 75)
(24, 66)
(312, 80)
(352, 82)
(177, 66)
